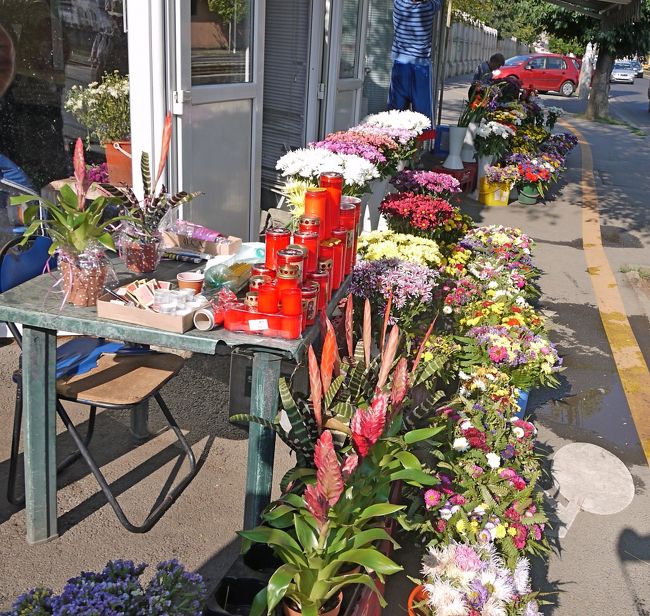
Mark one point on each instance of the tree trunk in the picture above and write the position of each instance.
(598, 105)
(587, 70)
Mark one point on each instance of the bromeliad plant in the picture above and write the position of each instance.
(146, 214)
(72, 224)
(318, 546)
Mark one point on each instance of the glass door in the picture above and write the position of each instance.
(348, 21)
(215, 87)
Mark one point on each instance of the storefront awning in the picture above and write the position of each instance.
(611, 12)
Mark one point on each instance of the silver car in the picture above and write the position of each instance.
(623, 72)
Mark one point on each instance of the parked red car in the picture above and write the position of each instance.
(543, 72)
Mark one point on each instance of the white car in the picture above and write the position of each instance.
(623, 72)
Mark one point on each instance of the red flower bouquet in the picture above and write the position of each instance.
(425, 216)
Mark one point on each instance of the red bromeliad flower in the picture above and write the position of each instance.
(327, 490)
(368, 425)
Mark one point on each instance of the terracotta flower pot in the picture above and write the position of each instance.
(331, 611)
(82, 285)
(418, 594)
(139, 257)
(118, 160)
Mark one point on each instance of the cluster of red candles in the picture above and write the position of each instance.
(303, 270)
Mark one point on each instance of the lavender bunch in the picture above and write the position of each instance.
(173, 590)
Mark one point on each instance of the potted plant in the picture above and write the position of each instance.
(495, 186)
(321, 550)
(103, 108)
(79, 232)
(139, 235)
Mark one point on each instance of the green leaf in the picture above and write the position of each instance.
(333, 389)
(68, 196)
(415, 436)
(20, 199)
(371, 535)
(408, 460)
(305, 533)
(341, 581)
(278, 584)
(271, 536)
(259, 607)
(411, 476)
(378, 510)
(370, 558)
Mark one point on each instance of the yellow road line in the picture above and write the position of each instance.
(631, 366)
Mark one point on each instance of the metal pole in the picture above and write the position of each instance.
(447, 25)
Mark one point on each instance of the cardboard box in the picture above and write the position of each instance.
(130, 314)
(174, 240)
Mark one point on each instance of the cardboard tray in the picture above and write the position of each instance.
(174, 240)
(131, 314)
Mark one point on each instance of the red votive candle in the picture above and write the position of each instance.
(291, 300)
(308, 239)
(277, 238)
(310, 301)
(255, 282)
(287, 281)
(347, 216)
(316, 207)
(260, 269)
(323, 281)
(333, 183)
(268, 298)
(309, 223)
(292, 255)
(341, 234)
(334, 247)
(326, 264)
(357, 218)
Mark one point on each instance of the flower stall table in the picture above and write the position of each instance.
(35, 306)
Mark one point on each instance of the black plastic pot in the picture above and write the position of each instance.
(233, 597)
(261, 558)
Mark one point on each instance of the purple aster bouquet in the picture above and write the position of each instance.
(559, 144)
(117, 591)
(426, 183)
(474, 580)
(410, 287)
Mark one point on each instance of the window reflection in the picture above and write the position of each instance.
(349, 40)
(221, 41)
(58, 44)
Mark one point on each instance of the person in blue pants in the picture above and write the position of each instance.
(11, 171)
(411, 83)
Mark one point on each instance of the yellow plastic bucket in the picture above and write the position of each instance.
(494, 194)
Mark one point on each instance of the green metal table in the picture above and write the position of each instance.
(38, 308)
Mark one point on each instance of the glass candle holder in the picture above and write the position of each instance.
(310, 301)
(268, 298)
(277, 238)
(291, 302)
(357, 217)
(260, 269)
(316, 207)
(308, 239)
(326, 264)
(347, 216)
(255, 282)
(333, 250)
(294, 256)
(251, 300)
(342, 234)
(286, 281)
(309, 223)
(333, 183)
(322, 279)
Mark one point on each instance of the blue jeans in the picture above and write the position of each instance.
(411, 86)
(11, 171)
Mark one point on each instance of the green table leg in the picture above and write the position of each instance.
(261, 441)
(39, 413)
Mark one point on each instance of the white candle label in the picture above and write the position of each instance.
(256, 325)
